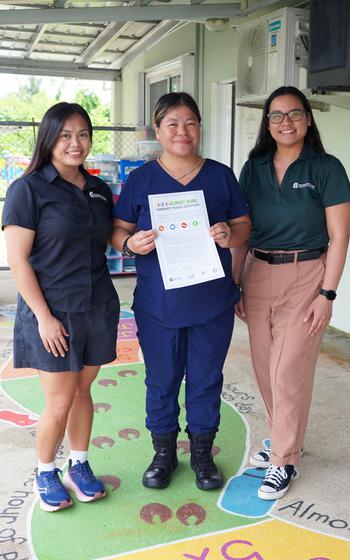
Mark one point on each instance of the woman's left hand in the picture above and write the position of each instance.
(319, 313)
(220, 232)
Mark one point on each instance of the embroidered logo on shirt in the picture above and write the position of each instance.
(304, 186)
(95, 195)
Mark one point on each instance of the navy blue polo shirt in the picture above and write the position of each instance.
(292, 215)
(72, 228)
(189, 305)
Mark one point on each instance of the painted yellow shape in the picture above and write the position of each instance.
(270, 540)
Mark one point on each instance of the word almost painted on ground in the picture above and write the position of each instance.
(242, 401)
(301, 510)
(231, 548)
(10, 540)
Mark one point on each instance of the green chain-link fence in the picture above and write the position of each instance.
(17, 140)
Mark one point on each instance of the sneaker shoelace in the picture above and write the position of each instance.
(53, 480)
(275, 475)
(85, 471)
(266, 452)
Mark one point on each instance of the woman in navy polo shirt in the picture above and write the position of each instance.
(299, 198)
(182, 331)
(57, 220)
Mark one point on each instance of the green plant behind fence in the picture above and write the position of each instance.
(17, 140)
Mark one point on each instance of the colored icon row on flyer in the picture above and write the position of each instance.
(181, 225)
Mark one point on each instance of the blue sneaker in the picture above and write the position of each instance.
(53, 495)
(82, 481)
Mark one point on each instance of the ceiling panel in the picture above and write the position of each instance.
(96, 37)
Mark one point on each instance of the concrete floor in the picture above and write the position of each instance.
(323, 484)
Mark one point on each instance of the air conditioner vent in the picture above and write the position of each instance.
(251, 65)
(271, 52)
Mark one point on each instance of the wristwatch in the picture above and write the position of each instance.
(126, 252)
(329, 294)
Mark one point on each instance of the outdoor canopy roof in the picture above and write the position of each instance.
(90, 39)
(94, 39)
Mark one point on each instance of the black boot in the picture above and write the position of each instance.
(164, 462)
(207, 475)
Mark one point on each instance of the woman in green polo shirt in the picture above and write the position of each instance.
(300, 207)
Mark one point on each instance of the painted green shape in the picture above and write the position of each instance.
(113, 525)
(26, 392)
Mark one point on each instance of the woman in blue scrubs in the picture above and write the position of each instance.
(183, 331)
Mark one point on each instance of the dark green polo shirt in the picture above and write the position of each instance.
(292, 216)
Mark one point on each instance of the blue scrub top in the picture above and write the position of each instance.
(190, 305)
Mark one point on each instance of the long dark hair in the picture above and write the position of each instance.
(170, 101)
(49, 131)
(265, 142)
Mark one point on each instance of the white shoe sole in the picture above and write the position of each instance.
(266, 495)
(70, 484)
(272, 495)
(259, 464)
(46, 507)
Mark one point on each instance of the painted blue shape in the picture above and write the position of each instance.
(241, 495)
(125, 314)
(266, 443)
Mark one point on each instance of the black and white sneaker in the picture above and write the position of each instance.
(261, 459)
(276, 482)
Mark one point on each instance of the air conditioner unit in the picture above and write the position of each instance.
(272, 51)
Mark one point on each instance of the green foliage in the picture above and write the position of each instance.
(88, 100)
(30, 105)
(30, 88)
(99, 115)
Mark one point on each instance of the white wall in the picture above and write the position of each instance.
(334, 127)
(174, 45)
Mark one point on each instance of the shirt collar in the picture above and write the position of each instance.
(50, 172)
(306, 153)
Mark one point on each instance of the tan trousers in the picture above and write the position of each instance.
(284, 356)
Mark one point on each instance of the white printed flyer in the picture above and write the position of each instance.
(187, 253)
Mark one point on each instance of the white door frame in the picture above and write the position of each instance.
(222, 121)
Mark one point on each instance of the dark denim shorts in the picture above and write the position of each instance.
(91, 342)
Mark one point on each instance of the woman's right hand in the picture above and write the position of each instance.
(143, 242)
(53, 334)
(239, 310)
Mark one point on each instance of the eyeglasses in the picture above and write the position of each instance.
(294, 115)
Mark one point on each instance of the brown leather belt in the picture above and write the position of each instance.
(282, 258)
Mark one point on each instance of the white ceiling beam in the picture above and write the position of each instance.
(53, 68)
(101, 43)
(35, 40)
(188, 12)
(147, 41)
(260, 5)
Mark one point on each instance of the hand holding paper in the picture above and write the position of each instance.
(186, 251)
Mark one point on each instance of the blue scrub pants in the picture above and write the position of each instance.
(197, 352)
